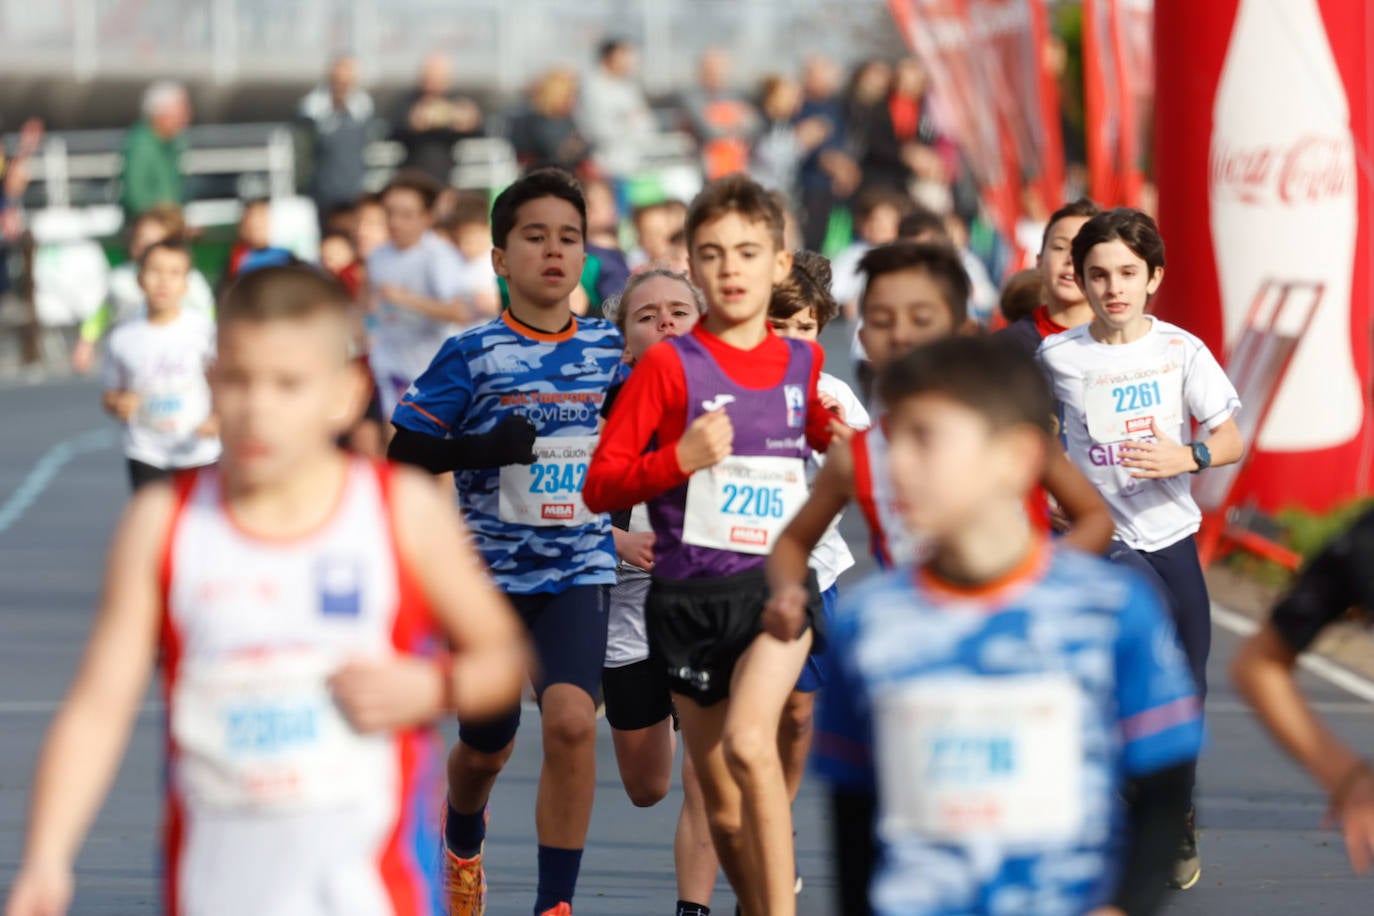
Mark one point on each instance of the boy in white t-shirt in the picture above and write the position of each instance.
(1129, 388)
(155, 373)
(418, 289)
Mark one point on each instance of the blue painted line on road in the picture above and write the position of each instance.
(46, 469)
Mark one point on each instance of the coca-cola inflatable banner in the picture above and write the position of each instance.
(1262, 134)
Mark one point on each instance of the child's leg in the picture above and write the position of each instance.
(1181, 572)
(639, 710)
(694, 856)
(762, 682)
(702, 728)
(794, 738)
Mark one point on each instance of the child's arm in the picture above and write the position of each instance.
(1164, 458)
(787, 564)
(652, 403)
(487, 671)
(86, 740)
(511, 441)
(1091, 528)
(121, 405)
(455, 310)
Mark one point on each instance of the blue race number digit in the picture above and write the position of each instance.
(731, 491)
(538, 471)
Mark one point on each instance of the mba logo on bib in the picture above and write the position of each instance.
(796, 405)
(339, 583)
(558, 512)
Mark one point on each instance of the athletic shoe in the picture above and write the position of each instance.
(1188, 865)
(797, 888)
(465, 881)
(563, 909)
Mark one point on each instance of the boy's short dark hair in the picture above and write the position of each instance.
(169, 216)
(806, 287)
(172, 244)
(1135, 229)
(989, 375)
(418, 182)
(736, 194)
(609, 46)
(548, 182)
(1021, 295)
(286, 293)
(874, 198)
(937, 259)
(471, 208)
(1084, 207)
(250, 202)
(921, 221)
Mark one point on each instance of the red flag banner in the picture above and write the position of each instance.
(988, 68)
(1118, 76)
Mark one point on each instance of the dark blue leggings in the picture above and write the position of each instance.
(1176, 572)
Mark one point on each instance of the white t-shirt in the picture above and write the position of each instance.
(627, 639)
(164, 364)
(478, 277)
(125, 296)
(403, 341)
(1108, 394)
(832, 555)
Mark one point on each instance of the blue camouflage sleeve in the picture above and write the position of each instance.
(436, 402)
(1159, 713)
(842, 754)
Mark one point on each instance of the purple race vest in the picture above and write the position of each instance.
(743, 498)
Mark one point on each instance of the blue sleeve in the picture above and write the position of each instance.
(1159, 713)
(436, 402)
(842, 753)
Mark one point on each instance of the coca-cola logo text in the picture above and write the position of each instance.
(1310, 170)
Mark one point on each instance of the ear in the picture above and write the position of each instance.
(498, 262)
(350, 397)
(1156, 279)
(1024, 450)
(782, 266)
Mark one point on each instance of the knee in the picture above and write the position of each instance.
(569, 727)
(749, 753)
(645, 791)
(725, 824)
(469, 761)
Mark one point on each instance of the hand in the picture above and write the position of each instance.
(385, 694)
(708, 441)
(395, 294)
(124, 405)
(511, 441)
(812, 132)
(1157, 460)
(40, 890)
(1356, 815)
(839, 432)
(832, 404)
(209, 429)
(83, 356)
(785, 612)
(636, 548)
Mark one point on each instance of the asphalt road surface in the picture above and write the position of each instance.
(62, 484)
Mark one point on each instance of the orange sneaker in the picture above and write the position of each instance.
(563, 909)
(465, 885)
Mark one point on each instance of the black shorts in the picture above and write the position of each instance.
(698, 628)
(636, 695)
(568, 630)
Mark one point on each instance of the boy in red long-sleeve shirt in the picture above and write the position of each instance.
(732, 413)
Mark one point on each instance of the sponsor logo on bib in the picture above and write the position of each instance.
(561, 512)
(753, 537)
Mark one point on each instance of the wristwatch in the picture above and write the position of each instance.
(1202, 455)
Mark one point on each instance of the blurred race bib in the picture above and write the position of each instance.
(1001, 758)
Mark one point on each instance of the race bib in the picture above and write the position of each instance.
(997, 759)
(1121, 405)
(548, 493)
(262, 733)
(743, 503)
(173, 409)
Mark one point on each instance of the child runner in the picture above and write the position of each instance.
(537, 369)
(155, 373)
(800, 308)
(1129, 387)
(295, 597)
(1022, 720)
(1339, 578)
(656, 304)
(469, 229)
(124, 297)
(730, 410)
(1065, 306)
(418, 282)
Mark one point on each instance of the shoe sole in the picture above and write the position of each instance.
(1191, 882)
